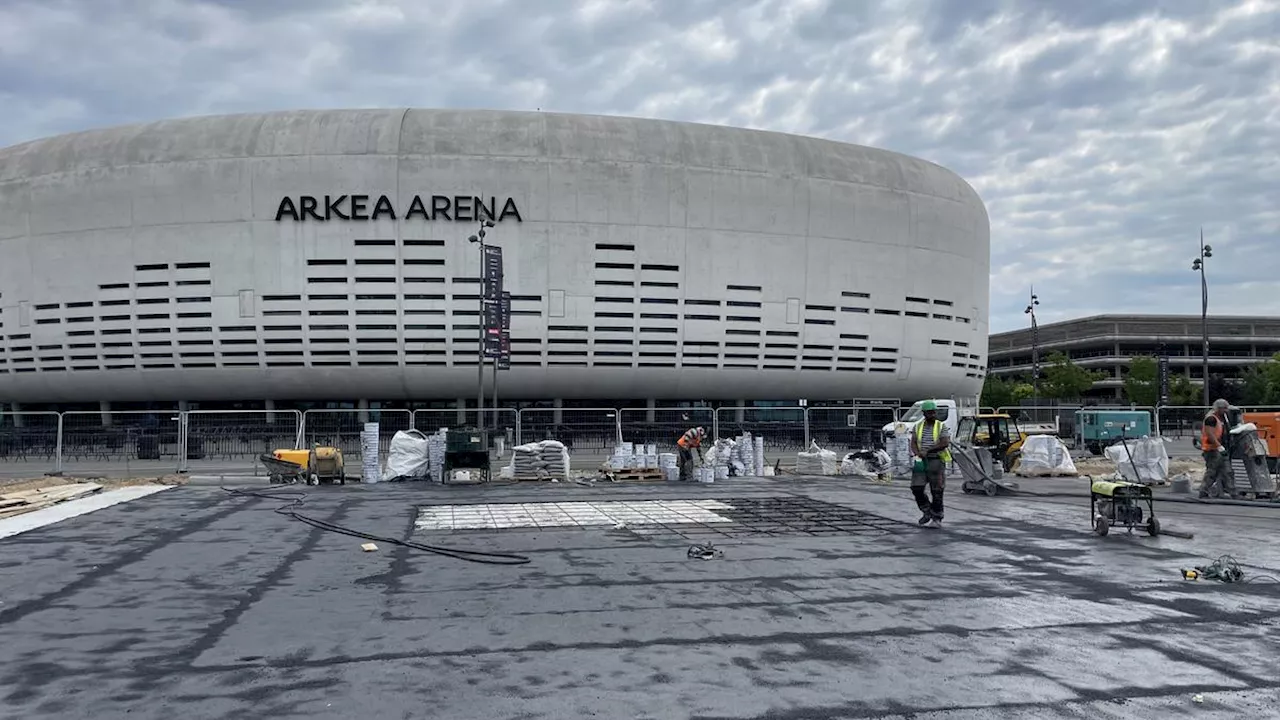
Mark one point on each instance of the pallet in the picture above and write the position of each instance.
(1250, 495)
(25, 501)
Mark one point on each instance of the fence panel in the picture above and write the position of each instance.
(502, 424)
(847, 428)
(29, 444)
(121, 444)
(229, 442)
(1061, 417)
(589, 434)
(783, 428)
(342, 429)
(664, 426)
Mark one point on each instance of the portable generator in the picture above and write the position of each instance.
(1120, 503)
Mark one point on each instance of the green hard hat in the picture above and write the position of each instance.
(928, 405)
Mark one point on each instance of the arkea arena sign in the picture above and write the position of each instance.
(455, 208)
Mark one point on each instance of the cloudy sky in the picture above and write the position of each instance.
(1101, 133)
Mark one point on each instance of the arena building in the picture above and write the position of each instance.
(324, 256)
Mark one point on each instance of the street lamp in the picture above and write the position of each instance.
(1035, 342)
(478, 239)
(1197, 265)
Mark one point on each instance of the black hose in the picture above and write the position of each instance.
(296, 498)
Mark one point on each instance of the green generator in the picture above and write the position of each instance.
(466, 449)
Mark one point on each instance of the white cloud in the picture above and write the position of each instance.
(1101, 135)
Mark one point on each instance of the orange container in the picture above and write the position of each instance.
(1268, 429)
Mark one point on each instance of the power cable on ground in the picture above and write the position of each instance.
(296, 498)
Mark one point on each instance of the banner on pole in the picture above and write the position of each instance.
(1164, 379)
(491, 274)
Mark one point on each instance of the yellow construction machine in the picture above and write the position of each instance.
(997, 433)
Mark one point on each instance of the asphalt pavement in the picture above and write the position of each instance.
(195, 603)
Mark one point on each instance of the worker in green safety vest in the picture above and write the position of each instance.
(929, 447)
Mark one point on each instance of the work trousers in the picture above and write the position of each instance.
(934, 479)
(1218, 480)
(685, 459)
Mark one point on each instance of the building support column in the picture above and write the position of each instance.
(462, 412)
(16, 409)
(740, 412)
(650, 414)
(557, 415)
(104, 410)
(363, 416)
(270, 407)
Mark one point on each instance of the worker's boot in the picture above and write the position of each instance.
(926, 518)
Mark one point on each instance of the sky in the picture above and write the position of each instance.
(1101, 135)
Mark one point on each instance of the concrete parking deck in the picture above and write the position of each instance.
(195, 603)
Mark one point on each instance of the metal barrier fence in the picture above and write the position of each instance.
(230, 441)
(785, 429)
(30, 443)
(121, 443)
(151, 443)
(589, 434)
(343, 428)
(846, 428)
(502, 425)
(662, 427)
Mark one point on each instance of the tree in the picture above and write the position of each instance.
(1183, 393)
(1064, 380)
(1261, 383)
(997, 392)
(1142, 384)
(1023, 391)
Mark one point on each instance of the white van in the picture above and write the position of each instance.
(948, 412)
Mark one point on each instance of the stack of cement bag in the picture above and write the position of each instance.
(870, 464)
(816, 461)
(1044, 456)
(545, 460)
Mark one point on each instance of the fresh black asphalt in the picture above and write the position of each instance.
(194, 603)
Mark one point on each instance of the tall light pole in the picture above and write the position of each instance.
(1206, 252)
(1035, 342)
(478, 239)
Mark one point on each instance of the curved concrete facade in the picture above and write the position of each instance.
(182, 260)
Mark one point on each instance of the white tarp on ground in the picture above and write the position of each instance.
(866, 464)
(1045, 455)
(408, 457)
(1149, 457)
(816, 461)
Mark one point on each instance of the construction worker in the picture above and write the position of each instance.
(1217, 480)
(689, 444)
(929, 446)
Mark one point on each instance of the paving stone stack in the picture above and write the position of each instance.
(369, 453)
(436, 444)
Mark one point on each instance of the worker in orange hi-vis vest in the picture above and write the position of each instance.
(689, 444)
(1217, 461)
